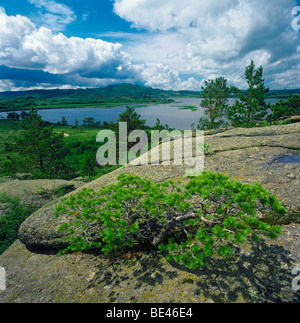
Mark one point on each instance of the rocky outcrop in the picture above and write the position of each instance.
(248, 155)
(35, 193)
(260, 275)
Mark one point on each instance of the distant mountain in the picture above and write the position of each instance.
(114, 91)
(111, 91)
(282, 94)
(124, 90)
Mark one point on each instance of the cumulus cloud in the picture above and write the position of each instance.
(6, 85)
(158, 75)
(218, 37)
(38, 57)
(163, 77)
(180, 43)
(53, 15)
(22, 45)
(59, 54)
(169, 14)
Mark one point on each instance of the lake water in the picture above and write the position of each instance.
(169, 114)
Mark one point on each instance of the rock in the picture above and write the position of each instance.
(294, 119)
(40, 230)
(35, 193)
(257, 275)
(262, 275)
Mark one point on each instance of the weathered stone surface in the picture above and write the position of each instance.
(262, 275)
(36, 193)
(259, 275)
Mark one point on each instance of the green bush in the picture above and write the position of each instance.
(210, 214)
(285, 109)
(10, 223)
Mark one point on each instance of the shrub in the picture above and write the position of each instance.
(285, 109)
(16, 214)
(210, 214)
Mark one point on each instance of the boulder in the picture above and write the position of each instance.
(35, 193)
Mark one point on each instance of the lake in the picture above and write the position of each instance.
(169, 114)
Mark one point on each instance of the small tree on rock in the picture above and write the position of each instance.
(209, 215)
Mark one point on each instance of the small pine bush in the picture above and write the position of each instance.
(210, 214)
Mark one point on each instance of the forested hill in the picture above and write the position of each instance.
(106, 96)
(112, 91)
(121, 90)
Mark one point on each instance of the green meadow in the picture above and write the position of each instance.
(74, 136)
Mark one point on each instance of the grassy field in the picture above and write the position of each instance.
(10, 130)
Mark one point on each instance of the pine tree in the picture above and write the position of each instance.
(215, 103)
(132, 118)
(39, 151)
(64, 121)
(251, 107)
(210, 215)
(88, 165)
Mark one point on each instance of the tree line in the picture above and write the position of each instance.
(249, 110)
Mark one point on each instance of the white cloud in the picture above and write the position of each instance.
(13, 30)
(53, 15)
(22, 45)
(76, 61)
(191, 84)
(163, 48)
(58, 54)
(202, 39)
(2, 10)
(214, 38)
(6, 85)
(158, 75)
(164, 15)
(163, 77)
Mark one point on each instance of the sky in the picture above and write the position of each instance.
(166, 44)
